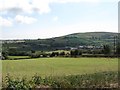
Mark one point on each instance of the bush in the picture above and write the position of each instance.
(34, 55)
(54, 54)
(62, 53)
(19, 84)
(38, 55)
(96, 80)
(75, 53)
(4, 55)
(106, 49)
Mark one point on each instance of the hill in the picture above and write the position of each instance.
(67, 41)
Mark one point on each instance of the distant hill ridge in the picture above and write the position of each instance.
(71, 40)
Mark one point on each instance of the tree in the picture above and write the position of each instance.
(53, 54)
(35, 55)
(12, 51)
(118, 49)
(32, 51)
(62, 53)
(75, 53)
(4, 55)
(106, 49)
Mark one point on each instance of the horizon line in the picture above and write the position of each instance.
(56, 36)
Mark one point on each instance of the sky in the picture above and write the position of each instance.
(33, 19)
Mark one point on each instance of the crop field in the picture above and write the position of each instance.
(58, 66)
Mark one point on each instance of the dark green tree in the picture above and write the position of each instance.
(62, 53)
(53, 54)
(75, 53)
(106, 49)
(4, 55)
(32, 51)
(118, 49)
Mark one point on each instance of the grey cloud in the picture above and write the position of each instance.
(36, 9)
(15, 10)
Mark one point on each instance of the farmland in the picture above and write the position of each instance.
(58, 66)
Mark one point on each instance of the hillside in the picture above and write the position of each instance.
(71, 40)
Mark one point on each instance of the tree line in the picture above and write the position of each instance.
(107, 51)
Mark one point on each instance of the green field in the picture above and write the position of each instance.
(58, 66)
(17, 57)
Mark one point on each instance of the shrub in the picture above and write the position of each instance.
(62, 53)
(75, 53)
(53, 54)
(106, 49)
(96, 80)
(19, 84)
(4, 55)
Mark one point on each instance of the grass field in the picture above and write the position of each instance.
(17, 57)
(58, 66)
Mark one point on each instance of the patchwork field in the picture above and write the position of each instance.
(58, 66)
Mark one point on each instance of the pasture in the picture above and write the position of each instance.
(18, 57)
(58, 66)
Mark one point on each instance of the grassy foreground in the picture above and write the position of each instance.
(96, 80)
(58, 66)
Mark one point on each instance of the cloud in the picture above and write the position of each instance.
(20, 5)
(8, 22)
(55, 18)
(40, 6)
(74, 1)
(27, 7)
(5, 22)
(25, 19)
(24, 6)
